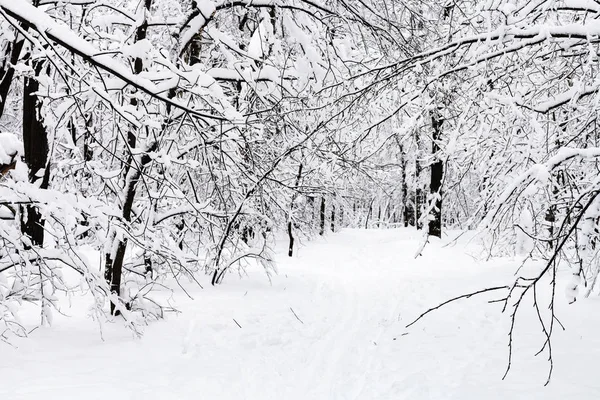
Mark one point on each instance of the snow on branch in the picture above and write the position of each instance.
(68, 39)
(196, 23)
(539, 172)
(272, 3)
(571, 95)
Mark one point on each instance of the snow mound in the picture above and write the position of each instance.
(10, 146)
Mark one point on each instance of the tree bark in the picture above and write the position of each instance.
(310, 204)
(418, 189)
(290, 213)
(369, 213)
(114, 267)
(7, 73)
(322, 215)
(114, 261)
(35, 144)
(437, 174)
(333, 218)
(404, 190)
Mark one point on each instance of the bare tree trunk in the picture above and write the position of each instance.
(35, 143)
(114, 267)
(7, 72)
(310, 204)
(322, 215)
(435, 184)
(403, 184)
(114, 260)
(138, 67)
(418, 189)
(369, 214)
(404, 198)
(332, 217)
(290, 222)
(35, 139)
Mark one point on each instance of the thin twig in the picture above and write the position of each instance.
(295, 315)
(464, 296)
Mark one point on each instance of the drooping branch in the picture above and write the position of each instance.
(44, 24)
(463, 296)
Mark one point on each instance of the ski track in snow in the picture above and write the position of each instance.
(354, 292)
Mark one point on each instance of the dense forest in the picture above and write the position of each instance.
(146, 142)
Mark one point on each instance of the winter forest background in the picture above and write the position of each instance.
(149, 144)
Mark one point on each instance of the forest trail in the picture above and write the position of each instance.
(331, 325)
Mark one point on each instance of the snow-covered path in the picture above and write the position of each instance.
(330, 326)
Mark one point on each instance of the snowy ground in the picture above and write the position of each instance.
(330, 326)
